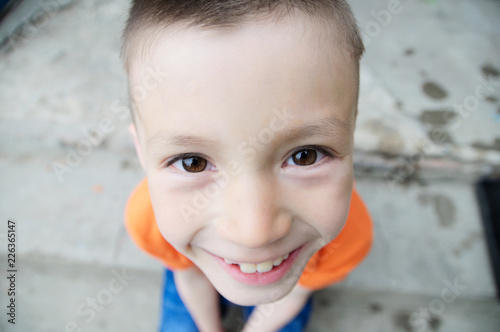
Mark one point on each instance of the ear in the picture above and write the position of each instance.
(133, 131)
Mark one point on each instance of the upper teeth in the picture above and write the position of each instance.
(261, 267)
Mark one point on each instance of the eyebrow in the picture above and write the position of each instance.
(326, 126)
(160, 139)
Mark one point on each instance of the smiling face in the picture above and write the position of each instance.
(246, 140)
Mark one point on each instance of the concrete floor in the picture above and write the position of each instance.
(62, 296)
(60, 77)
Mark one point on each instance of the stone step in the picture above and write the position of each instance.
(425, 233)
(400, 112)
(63, 296)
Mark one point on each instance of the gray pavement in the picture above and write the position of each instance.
(428, 127)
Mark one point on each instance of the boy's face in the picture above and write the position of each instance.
(246, 140)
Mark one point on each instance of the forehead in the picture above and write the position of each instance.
(194, 77)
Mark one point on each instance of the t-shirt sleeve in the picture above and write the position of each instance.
(329, 265)
(141, 225)
(337, 259)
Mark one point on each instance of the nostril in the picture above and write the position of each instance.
(253, 233)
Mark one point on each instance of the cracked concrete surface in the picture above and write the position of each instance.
(428, 127)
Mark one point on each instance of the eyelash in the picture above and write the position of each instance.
(310, 147)
(302, 148)
(184, 156)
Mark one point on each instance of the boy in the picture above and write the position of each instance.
(246, 139)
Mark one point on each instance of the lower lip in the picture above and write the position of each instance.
(258, 278)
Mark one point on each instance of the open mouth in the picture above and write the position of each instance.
(260, 267)
(263, 273)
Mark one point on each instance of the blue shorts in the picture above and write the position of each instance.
(176, 318)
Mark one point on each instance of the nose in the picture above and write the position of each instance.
(252, 214)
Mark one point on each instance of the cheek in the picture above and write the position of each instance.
(332, 210)
(175, 214)
(325, 206)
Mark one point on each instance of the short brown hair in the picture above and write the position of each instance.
(155, 14)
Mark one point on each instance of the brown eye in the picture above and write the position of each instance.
(305, 157)
(194, 164)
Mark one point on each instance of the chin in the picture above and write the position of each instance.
(251, 296)
(258, 289)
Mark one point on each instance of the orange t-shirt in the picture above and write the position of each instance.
(330, 264)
